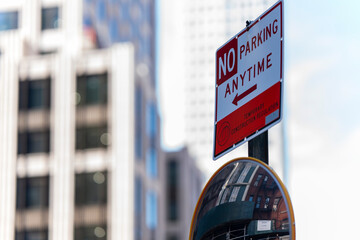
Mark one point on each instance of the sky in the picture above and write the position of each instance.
(322, 83)
(322, 50)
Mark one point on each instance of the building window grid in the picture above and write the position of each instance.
(128, 29)
(56, 17)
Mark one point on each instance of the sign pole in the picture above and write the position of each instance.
(258, 147)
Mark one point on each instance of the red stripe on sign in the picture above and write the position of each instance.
(247, 119)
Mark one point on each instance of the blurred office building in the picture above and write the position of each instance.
(183, 187)
(80, 156)
(192, 32)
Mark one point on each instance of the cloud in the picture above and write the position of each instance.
(324, 188)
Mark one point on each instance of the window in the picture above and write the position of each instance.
(32, 192)
(235, 175)
(49, 18)
(101, 10)
(34, 141)
(267, 201)
(138, 123)
(276, 204)
(91, 188)
(34, 94)
(138, 208)
(251, 198)
(114, 29)
(151, 210)
(258, 202)
(90, 233)
(92, 89)
(91, 137)
(38, 142)
(234, 194)
(226, 195)
(9, 20)
(37, 234)
(258, 180)
(172, 190)
(172, 237)
(285, 224)
(273, 185)
(151, 163)
(151, 123)
(266, 178)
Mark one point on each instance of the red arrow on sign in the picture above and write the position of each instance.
(237, 98)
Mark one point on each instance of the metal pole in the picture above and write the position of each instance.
(258, 147)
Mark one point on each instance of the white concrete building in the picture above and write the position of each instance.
(80, 155)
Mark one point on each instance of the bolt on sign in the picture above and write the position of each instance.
(249, 82)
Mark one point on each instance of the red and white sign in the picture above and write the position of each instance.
(249, 82)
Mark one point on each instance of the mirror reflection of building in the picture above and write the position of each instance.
(242, 200)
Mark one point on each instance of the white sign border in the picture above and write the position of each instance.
(258, 132)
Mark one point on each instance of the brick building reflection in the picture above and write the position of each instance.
(243, 201)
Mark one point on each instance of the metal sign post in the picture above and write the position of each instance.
(258, 147)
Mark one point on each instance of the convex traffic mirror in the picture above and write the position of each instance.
(244, 199)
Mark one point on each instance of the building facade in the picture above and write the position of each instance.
(80, 156)
(183, 186)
